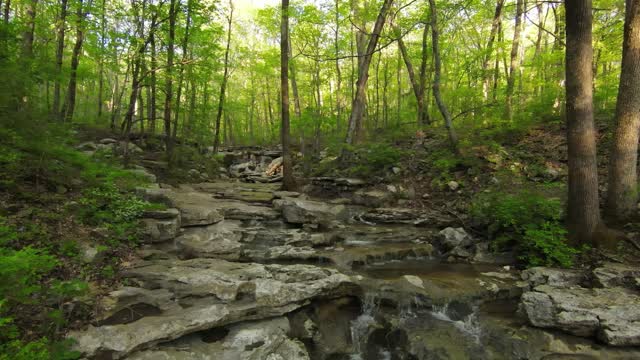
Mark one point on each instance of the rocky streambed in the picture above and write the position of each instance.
(236, 270)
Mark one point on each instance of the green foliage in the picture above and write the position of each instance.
(21, 271)
(527, 221)
(375, 158)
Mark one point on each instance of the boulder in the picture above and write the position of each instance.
(613, 274)
(551, 276)
(611, 315)
(265, 339)
(452, 238)
(211, 293)
(87, 146)
(299, 211)
(221, 240)
(158, 230)
(372, 198)
(108, 141)
(164, 214)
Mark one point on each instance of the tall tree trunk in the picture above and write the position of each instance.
(153, 86)
(423, 77)
(223, 86)
(70, 102)
(27, 35)
(357, 108)
(495, 25)
(185, 55)
(453, 138)
(168, 100)
(583, 207)
(103, 43)
(622, 196)
(338, 72)
(415, 81)
(514, 63)
(294, 83)
(61, 27)
(288, 181)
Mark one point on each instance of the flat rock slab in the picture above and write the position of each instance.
(211, 293)
(251, 341)
(612, 315)
(407, 216)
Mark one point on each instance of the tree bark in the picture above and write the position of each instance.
(514, 64)
(61, 27)
(415, 81)
(294, 83)
(223, 86)
(70, 102)
(103, 43)
(288, 181)
(185, 55)
(27, 35)
(453, 138)
(168, 100)
(495, 24)
(583, 206)
(357, 108)
(338, 72)
(622, 196)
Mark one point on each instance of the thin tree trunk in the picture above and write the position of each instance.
(357, 108)
(70, 103)
(415, 82)
(288, 181)
(622, 196)
(168, 100)
(514, 63)
(185, 54)
(338, 72)
(495, 25)
(294, 83)
(583, 207)
(423, 77)
(453, 138)
(61, 27)
(103, 33)
(153, 85)
(223, 86)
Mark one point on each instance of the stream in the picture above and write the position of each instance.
(244, 271)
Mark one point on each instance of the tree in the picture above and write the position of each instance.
(288, 181)
(225, 76)
(358, 105)
(583, 203)
(514, 62)
(61, 27)
(168, 100)
(622, 195)
(70, 101)
(453, 137)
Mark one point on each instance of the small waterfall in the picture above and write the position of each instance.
(468, 325)
(360, 326)
(409, 308)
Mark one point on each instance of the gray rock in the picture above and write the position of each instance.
(87, 146)
(453, 185)
(107, 141)
(158, 230)
(612, 315)
(258, 340)
(550, 276)
(612, 275)
(285, 194)
(452, 238)
(299, 211)
(406, 216)
(221, 240)
(170, 213)
(211, 293)
(372, 198)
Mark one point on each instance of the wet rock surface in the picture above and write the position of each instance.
(242, 270)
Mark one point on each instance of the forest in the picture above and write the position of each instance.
(319, 179)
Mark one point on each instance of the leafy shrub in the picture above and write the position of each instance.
(375, 158)
(528, 222)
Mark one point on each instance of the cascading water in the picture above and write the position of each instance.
(360, 326)
(469, 324)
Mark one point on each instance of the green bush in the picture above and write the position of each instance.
(529, 223)
(374, 159)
